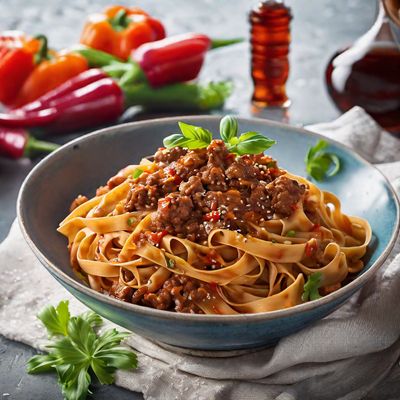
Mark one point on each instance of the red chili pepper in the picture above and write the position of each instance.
(77, 82)
(311, 248)
(174, 59)
(156, 237)
(212, 216)
(72, 107)
(17, 143)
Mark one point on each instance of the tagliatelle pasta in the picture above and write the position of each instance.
(208, 232)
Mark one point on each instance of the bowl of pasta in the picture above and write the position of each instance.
(208, 238)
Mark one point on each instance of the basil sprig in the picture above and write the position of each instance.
(321, 164)
(195, 137)
(192, 137)
(311, 287)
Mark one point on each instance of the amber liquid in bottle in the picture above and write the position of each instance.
(367, 74)
(270, 40)
(372, 82)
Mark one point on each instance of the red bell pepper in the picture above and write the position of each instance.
(174, 59)
(17, 142)
(16, 63)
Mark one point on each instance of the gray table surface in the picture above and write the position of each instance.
(319, 28)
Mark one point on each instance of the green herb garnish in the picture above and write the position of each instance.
(170, 263)
(319, 163)
(192, 137)
(130, 221)
(77, 351)
(136, 173)
(311, 287)
(195, 137)
(291, 233)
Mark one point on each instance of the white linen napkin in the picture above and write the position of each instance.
(344, 356)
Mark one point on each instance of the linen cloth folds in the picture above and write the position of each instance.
(347, 355)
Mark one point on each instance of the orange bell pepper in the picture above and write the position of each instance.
(16, 63)
(51, 70)
(119, 30)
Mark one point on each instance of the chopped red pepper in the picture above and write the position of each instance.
(311, 248)
(213, 286)
(212, 216)
(316, 228)
(164, 202)
(156, 237)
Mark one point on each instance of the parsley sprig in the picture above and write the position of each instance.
(78, 350)
(195, 137)
(321, 164)
(311, 287)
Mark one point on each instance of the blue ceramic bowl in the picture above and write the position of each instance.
(84, 164)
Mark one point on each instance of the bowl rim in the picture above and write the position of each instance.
(344, 292)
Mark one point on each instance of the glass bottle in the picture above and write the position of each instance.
(270, 40)
(367, 74)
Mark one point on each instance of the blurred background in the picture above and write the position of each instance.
(319, 29)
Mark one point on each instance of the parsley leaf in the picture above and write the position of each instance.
(291, 233)
(321, 164)
(78, 349)
(311, 287)
(55, 319)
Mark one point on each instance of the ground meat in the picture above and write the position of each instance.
(217, 154)
(167, 156)
(214, 178)
(285, 194)
(121, 292)
(77, 202)
(193, 185)
(195, 191)
(242, 169)
(142, 197)
(190, 163)
(260, 202)
(179, 293)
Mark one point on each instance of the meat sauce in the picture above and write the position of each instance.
(199, 190)
(193, 192)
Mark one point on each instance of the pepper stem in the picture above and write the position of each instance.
(120, 20)
(43, 52)
(216, 43)
(34, 147)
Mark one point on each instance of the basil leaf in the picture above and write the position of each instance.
(195, 133)
(311, 287)
(228, 128)
(336, 164)
(175, 140)
(320, 164)
(321, 145)
(253, 143)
